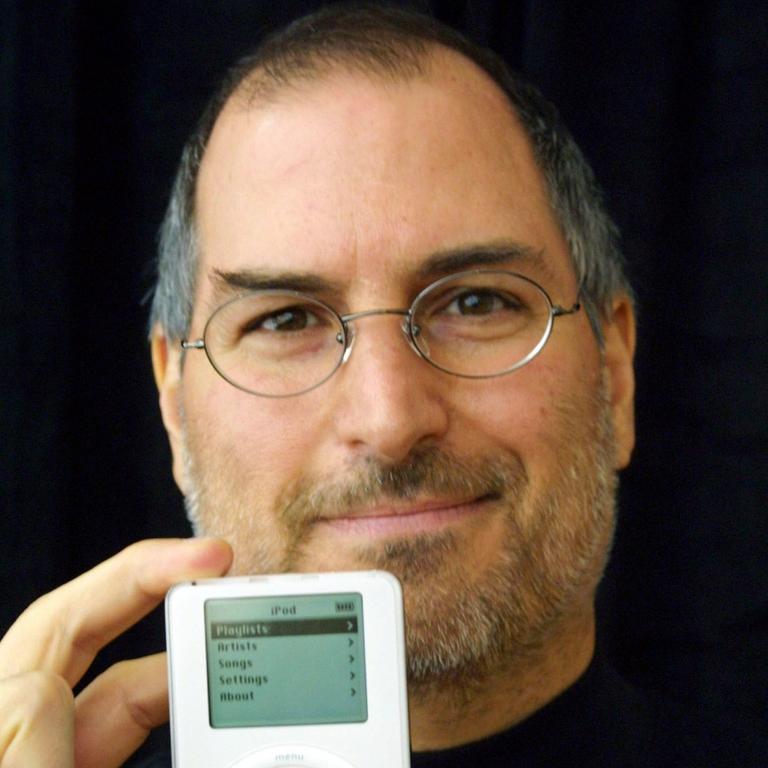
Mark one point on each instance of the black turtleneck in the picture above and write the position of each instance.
(601, 722)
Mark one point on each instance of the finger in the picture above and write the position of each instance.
(36, 721)
(62, 631)
(116, 712)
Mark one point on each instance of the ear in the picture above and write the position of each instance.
(619, 333)
(166, 364)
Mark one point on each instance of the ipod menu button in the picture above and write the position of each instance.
(291, 756)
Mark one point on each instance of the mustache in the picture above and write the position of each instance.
(427, 472)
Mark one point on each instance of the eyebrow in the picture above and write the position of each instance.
(496, 253)
(260, 280)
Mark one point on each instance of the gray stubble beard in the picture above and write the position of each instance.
(458, 627)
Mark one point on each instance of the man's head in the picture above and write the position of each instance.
(359, 157)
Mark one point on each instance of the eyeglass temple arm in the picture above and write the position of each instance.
(557, 310)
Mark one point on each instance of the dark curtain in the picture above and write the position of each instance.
(667, 99)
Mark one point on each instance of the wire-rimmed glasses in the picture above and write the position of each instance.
(476, 324)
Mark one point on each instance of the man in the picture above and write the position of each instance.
(446, 393)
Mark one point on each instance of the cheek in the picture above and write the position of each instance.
(266, 439)
(531, 413)
(517, 420)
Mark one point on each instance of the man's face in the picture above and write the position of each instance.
(491, 499)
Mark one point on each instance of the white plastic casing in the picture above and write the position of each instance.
(382, 741)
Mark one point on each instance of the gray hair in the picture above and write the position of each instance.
(391, 43)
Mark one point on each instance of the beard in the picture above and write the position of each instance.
(462, 623)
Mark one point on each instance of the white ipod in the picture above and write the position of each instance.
(288, 670)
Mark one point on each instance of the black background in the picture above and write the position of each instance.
(668, 101)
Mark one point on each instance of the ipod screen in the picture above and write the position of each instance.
(285, 660)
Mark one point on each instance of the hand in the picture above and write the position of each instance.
(52, 644)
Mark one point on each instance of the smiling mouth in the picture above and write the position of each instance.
(411, 519)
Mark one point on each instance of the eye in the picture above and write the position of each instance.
(479, 301)
(287, 319)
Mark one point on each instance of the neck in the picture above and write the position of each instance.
(446, 714)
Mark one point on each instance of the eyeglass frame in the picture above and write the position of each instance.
(346, 336)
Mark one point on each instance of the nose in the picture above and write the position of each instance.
(389, 400)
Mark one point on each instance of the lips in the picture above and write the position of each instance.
(412, 518)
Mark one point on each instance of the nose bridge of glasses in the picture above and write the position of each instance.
(353, 316)
(371, 312)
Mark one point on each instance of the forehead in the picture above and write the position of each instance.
(362, 180)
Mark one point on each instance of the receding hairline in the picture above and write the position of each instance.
(259, 89)
(263, 86)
